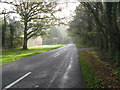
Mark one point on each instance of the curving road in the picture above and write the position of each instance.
(57, 68)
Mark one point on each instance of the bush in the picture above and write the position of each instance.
(117, 58)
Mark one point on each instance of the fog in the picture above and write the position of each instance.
(58, 35)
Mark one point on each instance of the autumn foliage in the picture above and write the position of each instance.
(107, 77)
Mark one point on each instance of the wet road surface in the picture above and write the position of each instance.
(59, 68)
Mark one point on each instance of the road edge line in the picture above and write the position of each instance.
(10, 85)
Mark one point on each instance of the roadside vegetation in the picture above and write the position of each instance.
(9, 56)
(97, 25)
(96, 72)
(35, 18)
(90, 79)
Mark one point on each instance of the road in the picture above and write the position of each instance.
(59, 68)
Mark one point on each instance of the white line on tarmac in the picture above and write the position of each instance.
(10, 85)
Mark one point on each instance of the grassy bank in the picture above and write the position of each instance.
(90, 78)
(97, 73)
(9, 56)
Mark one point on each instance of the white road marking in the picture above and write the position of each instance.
(66, 76)
(56, 55)
(10, 85)
(58, 71)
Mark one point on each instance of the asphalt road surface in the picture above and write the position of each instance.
(59, 68)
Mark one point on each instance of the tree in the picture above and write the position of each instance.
(36, 16)
(97, 24)
(105, 16)
(4, 27)
(15, 30)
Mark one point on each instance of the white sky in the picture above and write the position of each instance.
(67, 8)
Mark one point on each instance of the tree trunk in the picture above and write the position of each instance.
(25, 37)
(115, 26)
(111, 18)
(3, 32)
(11, 36)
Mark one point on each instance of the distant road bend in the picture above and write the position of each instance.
(57, 68)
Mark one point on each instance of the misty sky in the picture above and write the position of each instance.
(68, 7)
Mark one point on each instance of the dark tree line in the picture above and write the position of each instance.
(98, 24)
(11, 31)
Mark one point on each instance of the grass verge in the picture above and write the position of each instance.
(96, 72)
(9, 56)
(90, 78)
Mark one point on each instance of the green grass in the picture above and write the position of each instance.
(80, 46)
(9, 56)
(90, 79)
